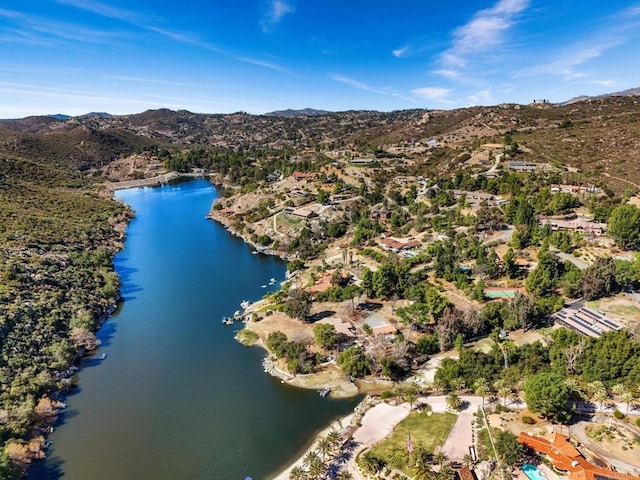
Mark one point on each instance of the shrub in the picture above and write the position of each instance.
(618, 414)
(638, 422)
(526, 419)
(247, 337)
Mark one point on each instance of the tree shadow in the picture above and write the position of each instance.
(320, 315)
(370, 306)
(105, 335)
(127, 287)
(47, 469)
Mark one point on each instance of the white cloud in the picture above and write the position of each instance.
(447, 73)
(481, 97)
(564, 65)
(279, 8)
(276, 10)
(363, 86)
(484, 32)
(432, 93)
(400, 52)
(605, 83)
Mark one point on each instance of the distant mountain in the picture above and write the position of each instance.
(95, 114)
(625, 93)
(305, 112)
(60, 116)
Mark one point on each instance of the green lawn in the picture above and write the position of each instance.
(286, 220)
(426, 431)
(625, 310)
(593, 304)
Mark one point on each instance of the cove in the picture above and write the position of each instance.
(177, 398)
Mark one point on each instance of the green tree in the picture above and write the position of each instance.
(548, 394)
(297, 473)
(509, 450)
(325, 335)
(354, 361)
(624, 225)
(298, 304)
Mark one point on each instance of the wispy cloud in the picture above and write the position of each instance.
(34, 29)
(565, 64)
(447, 73)
(484, 32)
(104, 10)
(100, 100)
(142, 22)
(480, 97)
(363, 86)
(616, 30)
(438, 94)
(275, 11)
(400, 52)
(126, 78)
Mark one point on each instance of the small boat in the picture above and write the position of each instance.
(324, 392)
(245, 304)
(255, 252)
(102, 357)
(263, 286)
(227, 321)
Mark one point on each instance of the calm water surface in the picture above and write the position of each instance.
(177, 398)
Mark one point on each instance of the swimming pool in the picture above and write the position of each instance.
(532, 472)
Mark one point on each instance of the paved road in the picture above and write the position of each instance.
(460, 437)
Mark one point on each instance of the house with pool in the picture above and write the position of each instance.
(566, 458)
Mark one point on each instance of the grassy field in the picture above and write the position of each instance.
(426, 431)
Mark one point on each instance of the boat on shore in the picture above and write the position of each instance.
(324, 392)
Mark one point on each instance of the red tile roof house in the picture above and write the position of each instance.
(567, 458)
(303, 175)
(397, 246)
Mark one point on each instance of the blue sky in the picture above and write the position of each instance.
(220, 56)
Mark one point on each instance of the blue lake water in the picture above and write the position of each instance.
(177, 398)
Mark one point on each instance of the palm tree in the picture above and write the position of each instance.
(628, 397)
(619, 389)
(481, 388)
(310, 457)
(345, 475)
(421, 469)
(504, 393)
(446, 473)
(440, 458)
(440, 385)
(598, 392)
(316, 469)
(324, 447)
(457, 384)
(410, 395)
(574, 385)
(600, 396)
(297, 473)
(467, 459)
(370, 463)
(334, 438)
(454, 401)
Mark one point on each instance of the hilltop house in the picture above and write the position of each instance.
(397, 246)
(578, 225)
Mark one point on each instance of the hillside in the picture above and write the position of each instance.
(600, 136)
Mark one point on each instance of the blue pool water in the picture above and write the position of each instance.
(532, 472)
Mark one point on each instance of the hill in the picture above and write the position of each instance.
(599, 136)
(305, 112)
